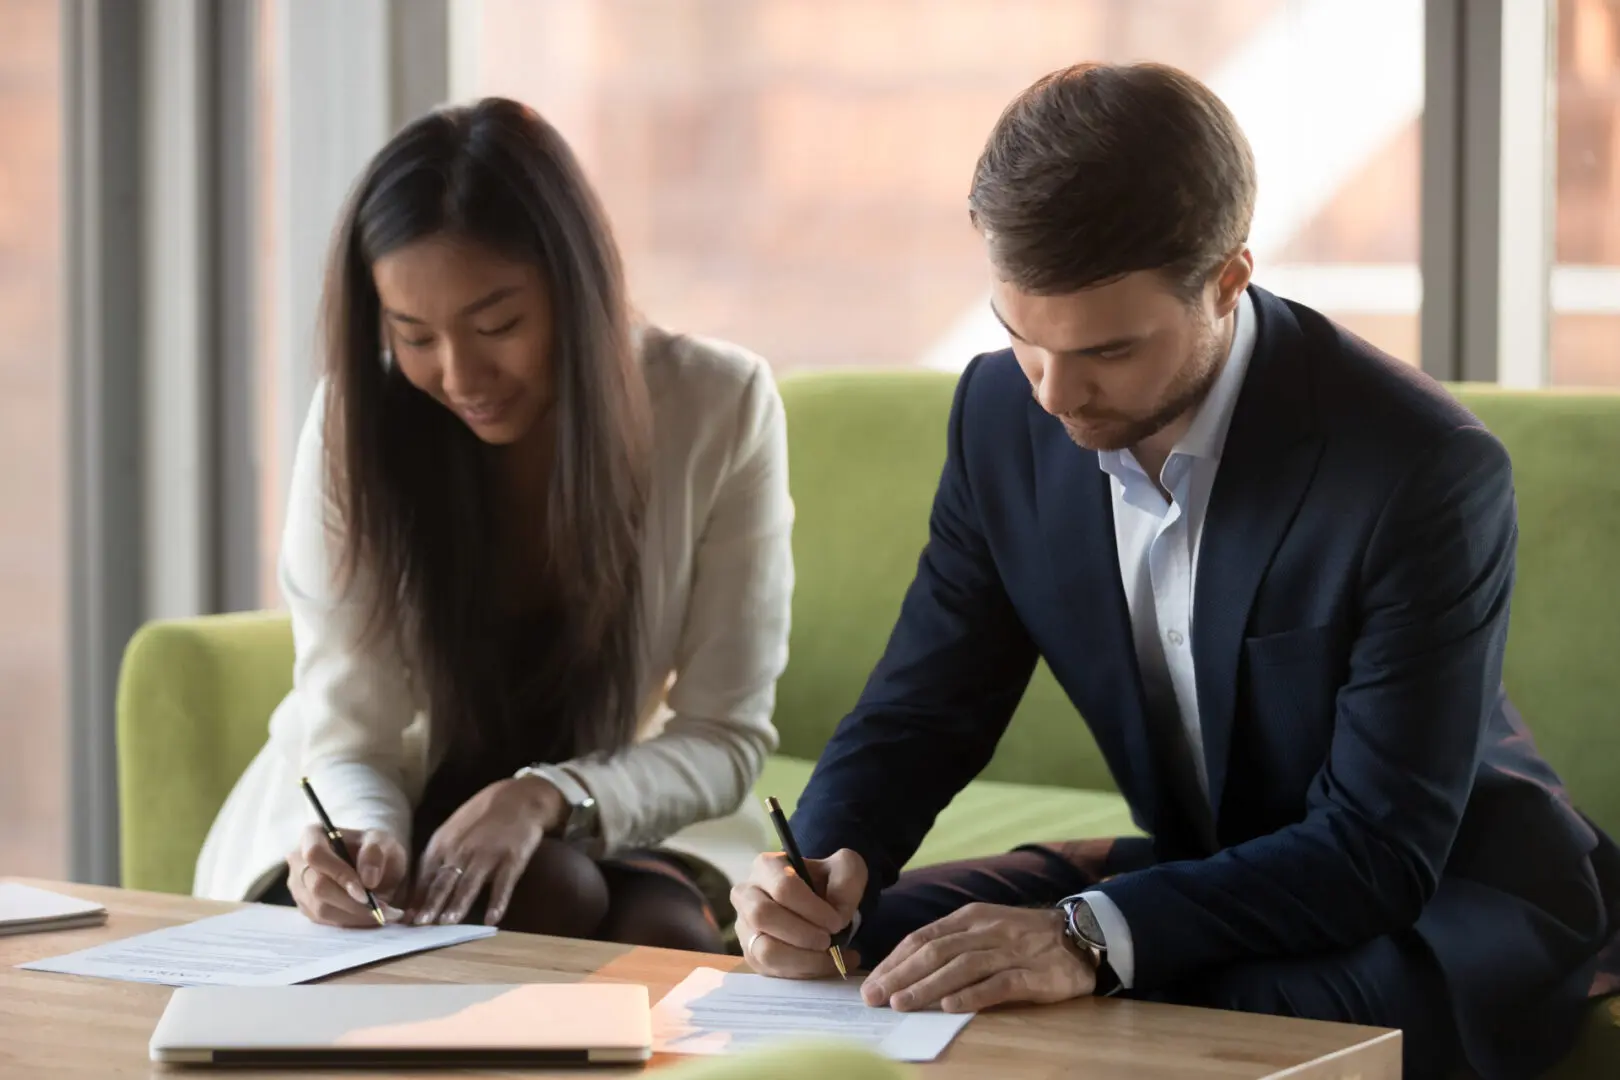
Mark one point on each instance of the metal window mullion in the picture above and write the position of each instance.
(232, 124)
(102, 179)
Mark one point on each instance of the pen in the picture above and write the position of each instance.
(335, 839)
(796, 861)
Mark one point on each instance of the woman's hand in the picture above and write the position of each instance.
(328, 891)
(487, 841)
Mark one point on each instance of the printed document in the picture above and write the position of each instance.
(260, 945)
(718, 1012)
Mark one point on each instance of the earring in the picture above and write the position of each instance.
(387, 358)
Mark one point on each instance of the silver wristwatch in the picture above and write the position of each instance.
(581, 823)
(1082, 930)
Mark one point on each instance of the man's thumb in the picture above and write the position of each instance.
(846, 881)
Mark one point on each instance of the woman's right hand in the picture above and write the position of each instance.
(328, 891)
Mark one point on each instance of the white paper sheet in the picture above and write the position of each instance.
(260, 945)
(717, 1012)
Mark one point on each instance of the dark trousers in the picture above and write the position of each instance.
(1391, 982)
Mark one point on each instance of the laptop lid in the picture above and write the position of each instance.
(406, 1024)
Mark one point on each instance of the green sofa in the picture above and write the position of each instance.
(865, 451)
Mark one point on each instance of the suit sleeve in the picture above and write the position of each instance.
(1425, 672)
(956, 665)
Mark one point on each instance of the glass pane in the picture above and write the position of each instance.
(1585, 332)
(33, 541)
(792, 174)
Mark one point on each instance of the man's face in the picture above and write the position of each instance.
(1121, 362)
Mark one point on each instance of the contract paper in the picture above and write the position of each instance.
(261, 945)
(717, 1012)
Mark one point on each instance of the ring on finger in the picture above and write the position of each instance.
(458, 871)
(748, 950)
(302, 875)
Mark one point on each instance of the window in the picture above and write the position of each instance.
(1585, 286)
(33, 542)
(792, 174)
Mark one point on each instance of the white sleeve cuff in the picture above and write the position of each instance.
(1116, 934)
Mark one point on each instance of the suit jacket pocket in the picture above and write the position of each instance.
(1309, 643)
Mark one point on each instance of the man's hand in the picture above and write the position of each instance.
(980, 956)
(784, 927)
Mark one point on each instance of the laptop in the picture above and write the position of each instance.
(406, 1025)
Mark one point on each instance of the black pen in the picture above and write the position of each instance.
(796, 861)
(335, 838)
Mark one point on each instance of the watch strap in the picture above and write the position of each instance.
(574, 793)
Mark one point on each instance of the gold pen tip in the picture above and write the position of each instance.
(838, 961)
(375, 914)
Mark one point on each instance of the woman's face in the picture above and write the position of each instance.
(471, 329)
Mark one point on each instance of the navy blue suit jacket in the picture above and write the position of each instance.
(1367, 772)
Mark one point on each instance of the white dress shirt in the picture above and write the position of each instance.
(1158, 541)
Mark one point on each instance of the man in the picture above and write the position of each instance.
(1271, 567)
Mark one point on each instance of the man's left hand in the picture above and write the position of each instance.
(980, 956)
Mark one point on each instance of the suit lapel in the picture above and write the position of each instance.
(1271, 451)
(1076, 514)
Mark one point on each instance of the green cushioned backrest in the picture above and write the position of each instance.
(864, 452)
(1562, 671)
(194, 704)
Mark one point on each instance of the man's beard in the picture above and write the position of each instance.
(1192, 386)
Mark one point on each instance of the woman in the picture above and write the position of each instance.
(538, 567)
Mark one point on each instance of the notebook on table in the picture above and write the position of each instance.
(406, 1025)
(26, 910)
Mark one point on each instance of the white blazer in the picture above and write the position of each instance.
(717, 581)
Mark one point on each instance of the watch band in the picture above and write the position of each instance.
(582, 817)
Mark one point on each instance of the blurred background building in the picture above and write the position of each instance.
(1441, 176)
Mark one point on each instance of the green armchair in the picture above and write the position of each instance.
(865, 452)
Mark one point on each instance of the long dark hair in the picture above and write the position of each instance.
(414, 487)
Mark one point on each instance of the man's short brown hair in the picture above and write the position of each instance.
(1100, 170)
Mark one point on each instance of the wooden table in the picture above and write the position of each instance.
(66, 1026)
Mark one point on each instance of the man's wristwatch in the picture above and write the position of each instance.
(581, 820)
(1081, 928)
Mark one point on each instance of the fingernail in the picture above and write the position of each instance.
(901, 1000)
(423, 918)
(370, 877)
(357, 892)
(873, 993)
(392, 913)
(493, 918)
(449, 918)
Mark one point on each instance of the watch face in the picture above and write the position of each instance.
(1084, 922)
(582, 818)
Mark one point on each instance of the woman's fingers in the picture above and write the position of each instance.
(438, 884)
(501, 887)
(381, 860)
(322, 899)
(320, 857)
(469, 884)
